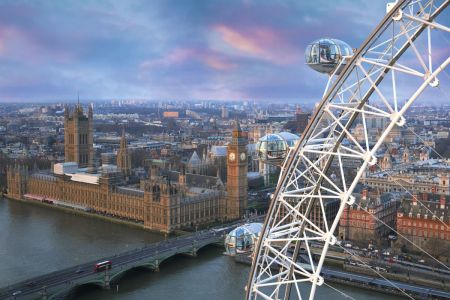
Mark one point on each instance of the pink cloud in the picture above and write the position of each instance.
(178, 56)
(22, 45)
(6, 35)
(259, 42)
(239, 41)
(218, 63)
(181, 55)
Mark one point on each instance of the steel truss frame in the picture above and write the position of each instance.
(315, 173)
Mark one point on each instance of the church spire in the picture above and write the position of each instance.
(237, 126)
(66, 111)
(91, 111)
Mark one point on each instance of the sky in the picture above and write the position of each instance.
(171, 49)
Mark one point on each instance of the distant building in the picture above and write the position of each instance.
(301, 119)
(429, 176)
(300, 122)
(225, 114)
(170, 114)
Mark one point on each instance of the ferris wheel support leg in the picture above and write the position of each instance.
(394, 121)
(287, 291)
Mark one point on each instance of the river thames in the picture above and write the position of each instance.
(35, 240)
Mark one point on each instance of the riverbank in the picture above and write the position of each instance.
(85, 214)
(352, 276)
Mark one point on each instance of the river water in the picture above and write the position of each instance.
(35, 240)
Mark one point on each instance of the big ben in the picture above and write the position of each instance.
(237, 164)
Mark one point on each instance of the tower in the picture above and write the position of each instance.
(78, 136)
(123, 156)
(301, 119)
(387, 161)
(16, 180)
(161, 198)
(406, 155)
(237, 164)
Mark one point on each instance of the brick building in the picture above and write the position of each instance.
(357, 224)
(424, 220)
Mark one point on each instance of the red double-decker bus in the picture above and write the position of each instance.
(101, 266)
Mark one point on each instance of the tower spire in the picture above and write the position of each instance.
(123, 156)
(237, 126)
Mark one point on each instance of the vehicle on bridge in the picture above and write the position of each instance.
(102, 266)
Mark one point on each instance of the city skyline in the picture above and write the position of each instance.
(310, 140)
(239, 50)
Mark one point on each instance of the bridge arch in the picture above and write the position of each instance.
(205, 245)
(96, 284)
(170, 257)
(115, 278)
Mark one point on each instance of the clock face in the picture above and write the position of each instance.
(232, 156)
(243, 156)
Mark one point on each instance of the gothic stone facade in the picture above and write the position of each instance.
(161, 204)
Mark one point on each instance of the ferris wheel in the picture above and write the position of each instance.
(400, 59)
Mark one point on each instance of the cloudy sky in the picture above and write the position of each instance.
(171, 49)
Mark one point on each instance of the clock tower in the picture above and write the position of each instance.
(237, 164)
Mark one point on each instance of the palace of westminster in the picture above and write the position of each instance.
(166, 201)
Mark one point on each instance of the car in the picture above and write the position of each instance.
(386, 253)
(375, 251)
(356, 248)
(422, 261)
(348, 245)
(16, 293)
(364, 249)
(79, 270)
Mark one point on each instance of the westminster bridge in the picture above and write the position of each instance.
(59, 284)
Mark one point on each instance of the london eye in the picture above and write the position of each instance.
(395, 65)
